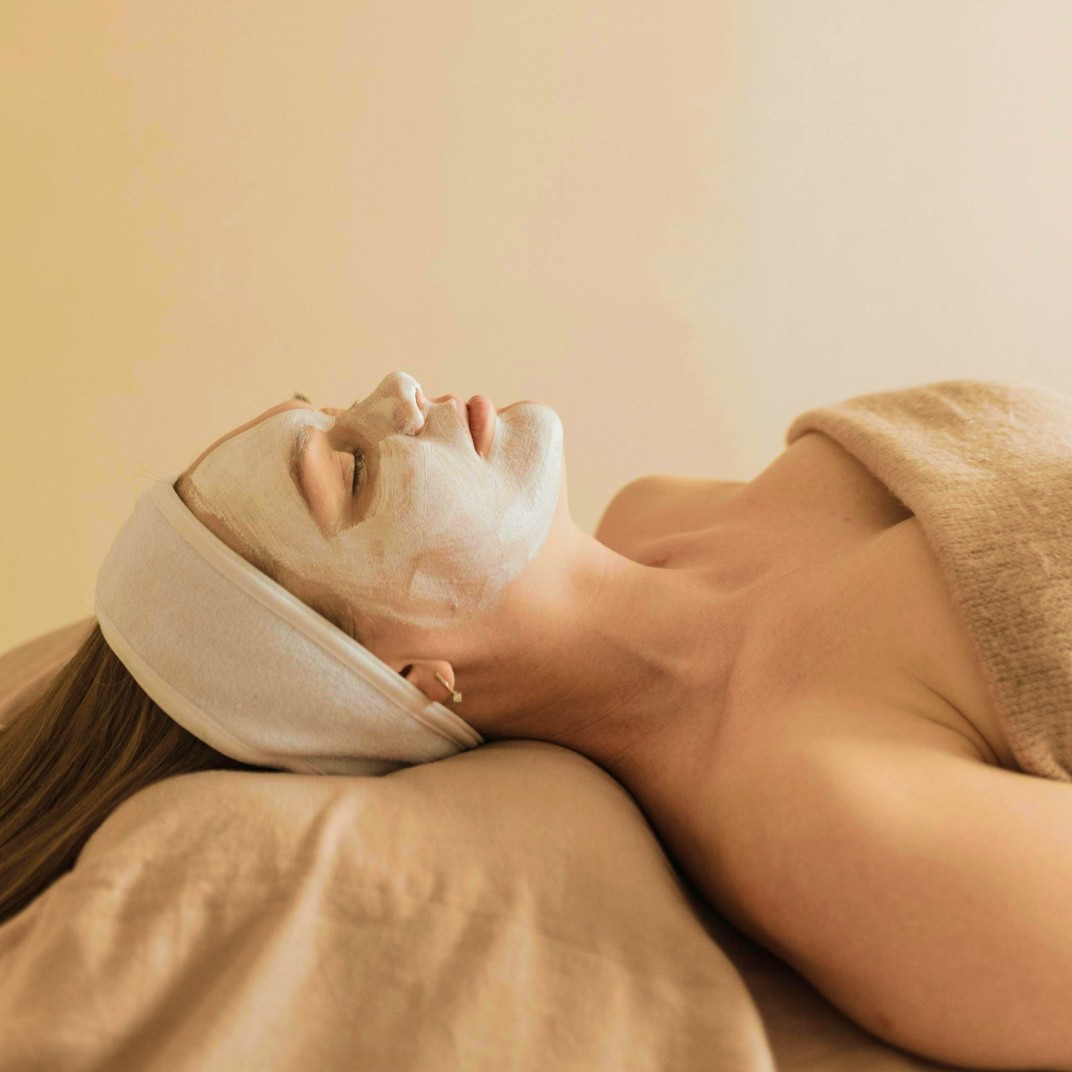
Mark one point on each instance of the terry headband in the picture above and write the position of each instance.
(246, 666)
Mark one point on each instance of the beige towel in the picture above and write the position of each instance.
(986, 467)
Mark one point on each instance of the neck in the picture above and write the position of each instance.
(644, 657)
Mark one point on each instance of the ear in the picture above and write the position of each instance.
(422, 673)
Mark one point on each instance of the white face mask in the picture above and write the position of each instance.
(439, 532)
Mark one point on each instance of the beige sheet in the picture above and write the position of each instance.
(507, 908)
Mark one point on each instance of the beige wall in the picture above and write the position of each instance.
(679, 224)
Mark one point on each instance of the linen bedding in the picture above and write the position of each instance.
(506, 908)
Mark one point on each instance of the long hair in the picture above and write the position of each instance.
(91, 741)
(71, 756)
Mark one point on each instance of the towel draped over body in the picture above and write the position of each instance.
(986, 467)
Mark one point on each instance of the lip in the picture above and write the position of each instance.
(481, 411)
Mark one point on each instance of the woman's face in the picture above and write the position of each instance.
(424, 531)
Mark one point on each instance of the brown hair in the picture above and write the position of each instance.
(71, 756)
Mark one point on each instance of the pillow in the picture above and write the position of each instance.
(505, 907)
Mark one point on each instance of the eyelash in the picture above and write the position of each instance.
(359, 465)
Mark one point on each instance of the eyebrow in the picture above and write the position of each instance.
(298, 450)
(297, 454)
(295, 459)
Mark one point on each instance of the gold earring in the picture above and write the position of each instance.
(456, 697)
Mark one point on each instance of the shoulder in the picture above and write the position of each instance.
(658, 505)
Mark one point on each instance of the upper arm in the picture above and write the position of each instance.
(928, 895)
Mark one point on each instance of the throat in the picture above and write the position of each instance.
(681, 647)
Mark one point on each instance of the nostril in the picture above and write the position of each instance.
(423, 408)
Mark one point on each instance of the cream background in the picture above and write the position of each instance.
(678, 224)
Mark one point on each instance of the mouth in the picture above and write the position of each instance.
(481, 414)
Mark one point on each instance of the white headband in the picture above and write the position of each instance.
(248, 668)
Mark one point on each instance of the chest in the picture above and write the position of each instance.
(854, 630)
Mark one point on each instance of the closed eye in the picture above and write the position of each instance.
(359, 465)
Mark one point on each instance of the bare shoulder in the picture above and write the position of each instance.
(659, 505)
(925, 893)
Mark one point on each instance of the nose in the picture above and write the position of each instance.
(441, 398)
(459, 405)
(423, 403)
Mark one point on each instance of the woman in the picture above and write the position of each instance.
(775, 670)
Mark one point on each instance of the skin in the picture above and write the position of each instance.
(859, 836)
(589, 649)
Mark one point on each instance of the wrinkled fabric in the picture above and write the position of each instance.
(505, 908)
(986, 467)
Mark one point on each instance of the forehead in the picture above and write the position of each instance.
(282, 407)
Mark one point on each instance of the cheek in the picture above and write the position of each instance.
(401, 480)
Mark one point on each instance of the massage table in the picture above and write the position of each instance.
(508, 908)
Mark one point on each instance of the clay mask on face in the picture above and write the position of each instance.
(438, 531)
